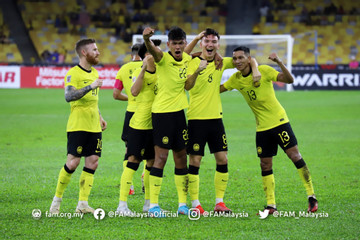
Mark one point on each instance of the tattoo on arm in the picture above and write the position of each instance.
(72, 94)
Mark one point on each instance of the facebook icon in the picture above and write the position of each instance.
(99, 214)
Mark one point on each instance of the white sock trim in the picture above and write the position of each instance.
(219, 200)
(154, 205)
(182, 204)
(195, 203)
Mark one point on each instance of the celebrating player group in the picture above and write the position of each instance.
(155, 84)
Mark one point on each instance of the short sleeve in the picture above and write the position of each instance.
(228, 83)
(162, 60)
(227, 63)
(193, 65)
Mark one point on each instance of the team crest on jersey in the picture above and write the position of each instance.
(196, 147)
(142, 152)
(259, 150)
(79, 149)
(165, 140)
(68, 78)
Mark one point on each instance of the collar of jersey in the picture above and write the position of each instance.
(205, 59)
(174, 58)
(88, 71)
(247, 74)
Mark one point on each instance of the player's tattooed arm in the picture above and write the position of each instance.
(72, 94)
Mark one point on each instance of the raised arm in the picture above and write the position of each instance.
(188, 49)
(136, 87)
(191, 79)
(284, 76)
(153, 50)
(73, 94)
(255, 72)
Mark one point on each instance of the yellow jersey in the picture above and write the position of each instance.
(84, 115)
(262, 100)
(142, 117)
(125, 76)
(169, 90)
(205, 101)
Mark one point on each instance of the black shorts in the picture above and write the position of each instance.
(210, 131)
(169, 130)
(125, 131)
(82, 143)
(140, 144)
(267, 141)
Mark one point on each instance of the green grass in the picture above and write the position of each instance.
(33, 149)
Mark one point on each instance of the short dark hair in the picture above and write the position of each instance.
(81, 43)
(135, 48)
(176, 33)
(143, 50)
(246, 50)
(210, 31)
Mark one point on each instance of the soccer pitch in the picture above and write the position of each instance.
(326, 124)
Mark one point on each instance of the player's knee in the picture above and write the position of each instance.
(265, 166)
(133, 159)
(222, 161)
(294, 156)
(162, 158)
(92, 165)
(92, 162)
(73, 164)
(194, 160)
(95, 165)
(195, 163)
(221, 158)
(149, 162)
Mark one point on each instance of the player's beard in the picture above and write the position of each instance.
(93, 60)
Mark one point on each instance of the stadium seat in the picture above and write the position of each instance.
(337, 35)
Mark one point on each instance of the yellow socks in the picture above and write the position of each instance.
(86, 183)
(221, 180)
(155, 181)
(126, 179)
(269, 187)
(194, 183)
(305, 176)
(181, 183)
(146, 182)
(63, 180)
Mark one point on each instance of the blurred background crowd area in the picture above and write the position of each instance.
(52, 27)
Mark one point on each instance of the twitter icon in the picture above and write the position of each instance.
(264, 214)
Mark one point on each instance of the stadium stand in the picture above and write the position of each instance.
(335, 22)
(9, 51)
(57, 25)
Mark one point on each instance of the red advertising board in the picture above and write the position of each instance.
(53, 77)
(9, 77)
